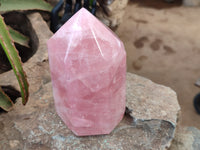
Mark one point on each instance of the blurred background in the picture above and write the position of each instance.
(162, 40)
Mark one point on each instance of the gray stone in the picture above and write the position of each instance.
(147, 100)
(149, 123)
(198, 82)
(187, 138)
(111, 12)
(191, 2)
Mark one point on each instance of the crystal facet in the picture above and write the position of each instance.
(88, 70)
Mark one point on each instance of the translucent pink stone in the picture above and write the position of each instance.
(88, 69)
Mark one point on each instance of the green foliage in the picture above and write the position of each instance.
(5, 102)
(15, 61)
(18, 37)
(7, 38)
(10, 5)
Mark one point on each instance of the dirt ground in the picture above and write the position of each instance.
(162, 41)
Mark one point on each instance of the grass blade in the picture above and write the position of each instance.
(5, 102)
(14, 59)
(10, 5)
(18, 37)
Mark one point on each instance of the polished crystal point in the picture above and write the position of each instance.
(88, 70)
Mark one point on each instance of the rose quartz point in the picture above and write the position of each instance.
(88, 69)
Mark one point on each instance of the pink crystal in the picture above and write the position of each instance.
(88, 69)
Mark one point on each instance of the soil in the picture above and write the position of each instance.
(162, 44)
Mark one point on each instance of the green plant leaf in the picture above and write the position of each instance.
(18, 37)
(5, 102)
(14, 59)
(10, 5)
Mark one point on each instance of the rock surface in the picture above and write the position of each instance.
(191, 2)
(198, 82)
(150, 125)
(187, 138)
(111, 12)
(146, 100)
